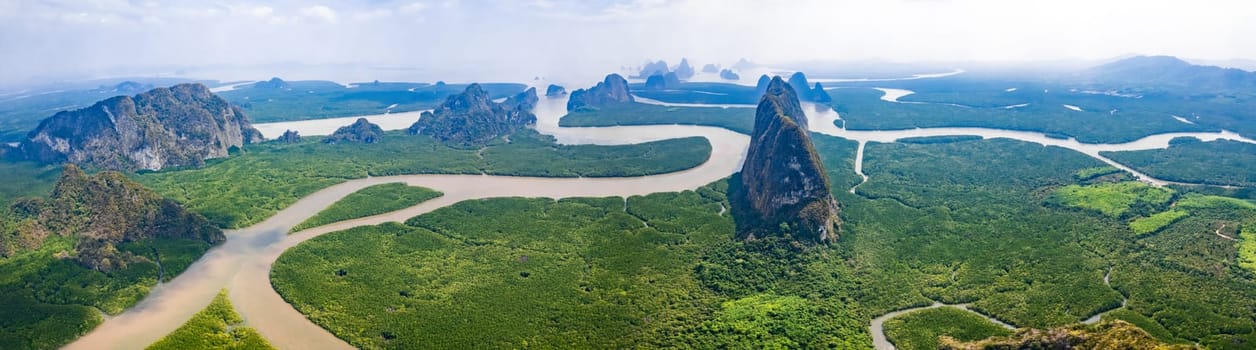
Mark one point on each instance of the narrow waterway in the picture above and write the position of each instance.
(877, 327)
(386, 121)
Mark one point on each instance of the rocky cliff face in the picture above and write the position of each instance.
(613, 89)
(783, 188)
(361, 131)
(471, 118)
(106, 209)
(178, 126)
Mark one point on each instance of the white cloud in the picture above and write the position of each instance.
(257, 11)
(319, 12)
(550, 36)
(413, 8)
(372, 15)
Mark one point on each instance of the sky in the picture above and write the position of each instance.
(237, 39)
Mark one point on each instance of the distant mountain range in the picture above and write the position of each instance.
(1168, 71)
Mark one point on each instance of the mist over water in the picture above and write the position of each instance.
(576, 42)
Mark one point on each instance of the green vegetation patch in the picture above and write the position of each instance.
(938, 139)
(373, 200)
(1221, 162)
(26, 179)
(920, 330)
(1091, 173)
(768, 322)
(736, 119)
(1247, 246)
(218, 326)
(1113, 199)
(1197, 201)
(507, 273)
(1150, 224)
(250, 187)
(1145, 323)
(963, 102)
(963, 222)
(49, 300)
(572, 273)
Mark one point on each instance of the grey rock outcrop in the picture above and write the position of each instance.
(471, 118)
(361, 131)
(178, 126)
(612, 90)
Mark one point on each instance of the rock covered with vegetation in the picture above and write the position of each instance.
(819, 95)
(131, 87)
(472, 118)
(784, 189)
(652, 68)
(178, 126)
(805, 91)
(655, 83)
(660, 82)
(761, 87)
(1104, 335)
(684, 71)
(273, 83)
(729, 75)
(100, 212)
(361, 131)
(612, 90)
(555, 90)
(290, 136)
(710, 68)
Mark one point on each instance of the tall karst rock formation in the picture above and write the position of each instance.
(783, 188)
(612, 90)
(472, 118)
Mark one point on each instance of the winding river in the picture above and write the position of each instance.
(242, 264)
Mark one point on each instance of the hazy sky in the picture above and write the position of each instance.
(483, 39)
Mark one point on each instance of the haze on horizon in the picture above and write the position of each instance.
(499, 40)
